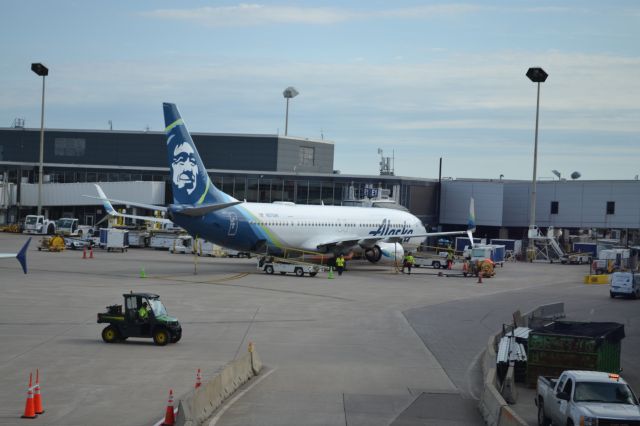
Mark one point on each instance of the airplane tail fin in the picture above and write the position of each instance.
(22, 255)
(105, 202)
(471, 225)
(190, 181)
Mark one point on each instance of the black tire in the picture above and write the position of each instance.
(299, 272)
(268, 269)
(313, 274)
(569, 422)
(110, 334)
(283, 273)
(542, 419)
(611, 294)
(160, 336)
(436, 265)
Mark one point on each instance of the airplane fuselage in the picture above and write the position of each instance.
(278, 226)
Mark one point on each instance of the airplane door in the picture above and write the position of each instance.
(233, 224)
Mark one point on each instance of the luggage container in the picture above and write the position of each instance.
(514, 246)
(462, 242)
(589, 248)
(117, 239)
(568, 345)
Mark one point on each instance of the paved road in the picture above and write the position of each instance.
(368, 348)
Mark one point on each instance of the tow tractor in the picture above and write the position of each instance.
(122, 325)
(271, 266)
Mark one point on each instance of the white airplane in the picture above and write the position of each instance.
(21, 256)
(275, 228)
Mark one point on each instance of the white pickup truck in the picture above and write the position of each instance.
(586, 398)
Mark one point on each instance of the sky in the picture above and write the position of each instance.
(418, 79)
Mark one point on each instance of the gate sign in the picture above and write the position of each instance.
(371, 192)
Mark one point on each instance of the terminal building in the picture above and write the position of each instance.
(134, 166)
(266, 168)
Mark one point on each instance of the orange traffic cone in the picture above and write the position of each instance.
(198, 379)
(90, 252)
(37, 399)
(29, 409)
(169, 417)
(84, 252)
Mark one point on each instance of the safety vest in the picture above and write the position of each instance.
(143, 313)
(340, 261)
(409, 260)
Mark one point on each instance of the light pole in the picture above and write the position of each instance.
(289, 92)
(42, 71)
(537, 75)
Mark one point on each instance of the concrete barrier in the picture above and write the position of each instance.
(596, 279)
(494, 408)
(491, 402)
(199, 404)
(550, 311)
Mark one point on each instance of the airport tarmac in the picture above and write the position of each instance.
(371, 347)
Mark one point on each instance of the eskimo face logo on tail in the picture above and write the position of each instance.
(184, 168)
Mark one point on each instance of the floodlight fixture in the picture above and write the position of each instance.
(289, 92)
(42, 71)
(537, 75)
(557, 173)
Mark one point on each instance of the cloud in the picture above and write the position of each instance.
(244, 15)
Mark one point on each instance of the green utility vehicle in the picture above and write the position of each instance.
(157, 325)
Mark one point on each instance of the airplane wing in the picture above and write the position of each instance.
(21, 255)
(106, 202)
(185, 210)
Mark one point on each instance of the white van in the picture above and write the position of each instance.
(625, 284)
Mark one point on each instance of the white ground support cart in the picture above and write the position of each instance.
(271, 266)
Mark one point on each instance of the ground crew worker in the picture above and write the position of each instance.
(143, 312)
(340, 264)
(408, 263)
(449, 258)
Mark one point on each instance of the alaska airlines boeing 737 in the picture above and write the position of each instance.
(205, 211)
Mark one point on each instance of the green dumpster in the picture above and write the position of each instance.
(569, 345)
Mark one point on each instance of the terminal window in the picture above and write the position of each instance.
(555, 207)
(611, 207)
(306, 155)
(69, 147)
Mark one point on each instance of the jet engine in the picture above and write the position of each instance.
(385, 252)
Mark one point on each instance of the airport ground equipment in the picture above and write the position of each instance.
(431, 262)
(159, 326)
(182, 244)
(67, 227)
(37, 224)
(272, 266)
(513, 246)
(546, 246)
(496, 253)
(586, 398)
(463, 242)
(625, 284)
(586, 248)
(238, 254)
(611, 260)
(138, 238)
(575, 258)
(52, 243)
(114, 239)
(163, 240)
(12, 227)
